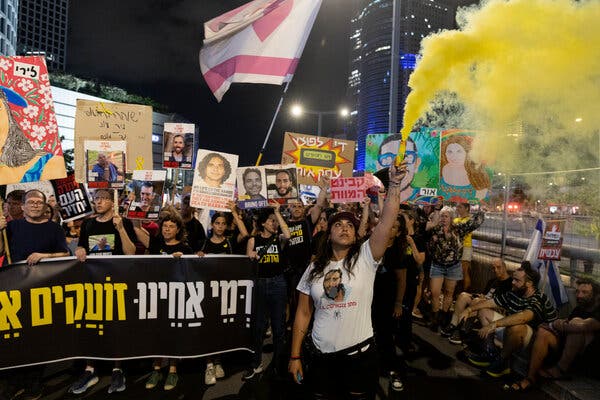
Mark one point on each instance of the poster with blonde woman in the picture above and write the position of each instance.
(462, 178)
(30, 148)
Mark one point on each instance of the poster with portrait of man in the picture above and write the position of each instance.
(252, 187)
(214, 180)
(105, 163)
(282, 183)
(178, 145)
(147, 188)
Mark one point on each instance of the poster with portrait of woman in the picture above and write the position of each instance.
(462, 177)
(30, 148)
(214, 180)
(252, 187)
(178, 145)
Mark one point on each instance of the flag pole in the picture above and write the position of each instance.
(262, 150)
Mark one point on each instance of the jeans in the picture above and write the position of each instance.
(271, 299)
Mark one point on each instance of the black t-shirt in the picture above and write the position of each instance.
(158, 246)
(102, 238)
(25, 238)
(224, 247)
(269, 265)
(581, 312)
(408, 261)
(195, 234)
(496, 287)
(298, 246)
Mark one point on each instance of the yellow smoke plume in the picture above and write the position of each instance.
(528, 75)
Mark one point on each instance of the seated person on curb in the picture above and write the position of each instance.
(500, 284)
(566, 338)
(526, 308)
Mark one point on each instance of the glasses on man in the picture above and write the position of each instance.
(386, 159)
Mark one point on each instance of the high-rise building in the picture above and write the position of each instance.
(43, 30)
(8, 26)
(370, 59)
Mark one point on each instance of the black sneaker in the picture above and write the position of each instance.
(117, 381)
(456, 337)
(448, 330)
(498, 368)
(252, 372)
(85, 381)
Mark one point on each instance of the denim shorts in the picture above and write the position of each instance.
(453, 272)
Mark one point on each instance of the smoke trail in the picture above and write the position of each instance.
(524, 70)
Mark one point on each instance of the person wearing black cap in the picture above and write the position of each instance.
(342, 333)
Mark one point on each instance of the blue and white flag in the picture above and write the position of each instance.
(550, 282)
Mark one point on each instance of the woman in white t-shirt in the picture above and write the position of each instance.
(338, 288)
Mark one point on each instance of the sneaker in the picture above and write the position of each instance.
(482, 360)
(456, 337)
(171, 381)
(209, 376)
(395, 382)
(154, 378)
(448, 330)
(252, 372)
(85, 381)
(498, 368)
(117, 381)
(219, 372)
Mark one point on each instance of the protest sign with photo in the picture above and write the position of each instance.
(105, 163)
(315, 156)
(30, 148)
(282, 183)
(72, 198)
(114, 122)
(43, 186)
(178, 145)
(252, 187)
(552, 240)
(214, 180)
(147, 187)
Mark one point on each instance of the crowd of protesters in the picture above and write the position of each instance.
(347, 280)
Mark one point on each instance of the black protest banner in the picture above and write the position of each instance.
(125, 307)
(72, 198)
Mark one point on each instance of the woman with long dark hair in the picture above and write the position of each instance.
(338, 288)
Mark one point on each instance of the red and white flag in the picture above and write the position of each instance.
(259, 42)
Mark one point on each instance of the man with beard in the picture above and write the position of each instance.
(526, 308)
(568, 338)
(284, 183)
(177, 152)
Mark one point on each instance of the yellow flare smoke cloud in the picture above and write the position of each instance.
(534, 64)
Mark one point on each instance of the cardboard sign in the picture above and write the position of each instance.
(178, 145)
(214, 180)
(72, 197)
(147, 187)
(315, 156)
(552, 240)
(30, 148)
(114, 121)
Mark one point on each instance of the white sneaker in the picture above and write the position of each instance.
(209, 376)
(219, 373)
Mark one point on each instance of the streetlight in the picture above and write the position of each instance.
(297, 110)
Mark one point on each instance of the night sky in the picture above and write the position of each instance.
(150, 47)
